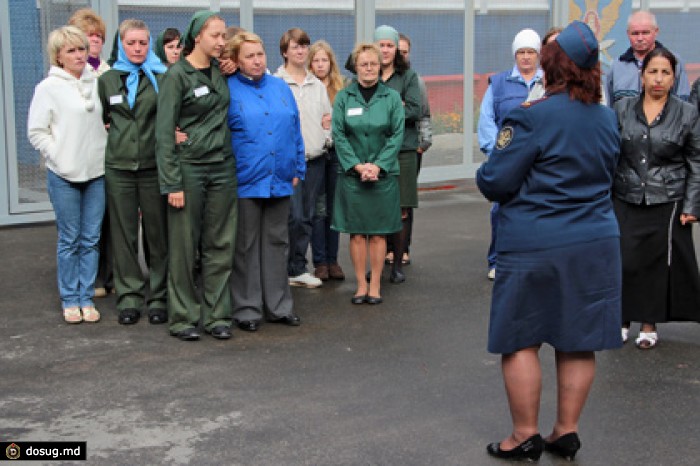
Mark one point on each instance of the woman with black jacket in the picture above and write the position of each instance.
(656, 199)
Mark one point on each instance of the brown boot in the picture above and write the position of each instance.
(335, 272)
(321, 272)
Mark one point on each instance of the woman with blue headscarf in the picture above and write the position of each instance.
(129, 95)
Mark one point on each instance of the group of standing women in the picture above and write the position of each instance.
(162, 144)
(594, 230)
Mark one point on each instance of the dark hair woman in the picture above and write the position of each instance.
(657, 197)
(558, 263)
(168, 46)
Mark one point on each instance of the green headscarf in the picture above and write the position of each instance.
(196, 24)
(159, 48)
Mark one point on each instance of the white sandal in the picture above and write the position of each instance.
(90, 314)
(72, 315)
(647, 340)
(625, 334)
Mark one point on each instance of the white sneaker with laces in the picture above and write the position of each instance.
(305, 280)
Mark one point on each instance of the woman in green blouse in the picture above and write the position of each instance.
(368, 129)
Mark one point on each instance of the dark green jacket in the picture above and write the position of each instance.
(198, 106)
(408, 87)
(131, 140)
(368, 132)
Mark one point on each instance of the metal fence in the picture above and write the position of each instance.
(451, 39)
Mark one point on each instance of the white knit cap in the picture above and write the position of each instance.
(527, 39)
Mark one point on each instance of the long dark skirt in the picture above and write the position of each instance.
(660, 279)
(567, 296)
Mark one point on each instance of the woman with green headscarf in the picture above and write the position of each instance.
(199, 178)
(168, 47)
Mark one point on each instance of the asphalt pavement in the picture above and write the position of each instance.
(407, 382)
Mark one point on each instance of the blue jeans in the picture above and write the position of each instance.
(301, 213)
(494, 230)
(79, 209)
(324, 241)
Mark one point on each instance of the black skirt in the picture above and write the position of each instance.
(660, 279)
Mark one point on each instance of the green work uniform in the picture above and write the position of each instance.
(367, 132)
(131, 183)
(407, 84)
(203, 167)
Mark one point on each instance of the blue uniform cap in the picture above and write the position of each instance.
(579, 43)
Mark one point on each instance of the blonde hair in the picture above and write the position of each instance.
(59, 38)
(129, 24)
(89, 22)
(364, 47)
(335, 79)
(233, 46)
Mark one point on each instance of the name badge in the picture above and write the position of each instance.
(116, 100)
(355, 111)
(200, 91)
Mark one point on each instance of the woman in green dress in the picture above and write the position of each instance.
(368, 129)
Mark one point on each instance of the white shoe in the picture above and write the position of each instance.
(625, 334)
(305, 280)
(492, 274)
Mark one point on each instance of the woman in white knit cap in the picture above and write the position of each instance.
(506, 91)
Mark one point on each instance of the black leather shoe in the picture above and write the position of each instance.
(373, 299)
(220, 332)
(565, 446)
(529, 450)
(157, 316)
(290, 320)
(248, 325)
(129, 316)
(359, 299)
(188, 334)
(397, 277)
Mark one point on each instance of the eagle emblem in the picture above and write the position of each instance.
(505, 136)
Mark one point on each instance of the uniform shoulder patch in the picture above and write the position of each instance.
(505, 136)
(530, 103)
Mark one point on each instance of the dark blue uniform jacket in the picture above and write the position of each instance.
(552, 171)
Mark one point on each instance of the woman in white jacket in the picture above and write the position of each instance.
(65, 125)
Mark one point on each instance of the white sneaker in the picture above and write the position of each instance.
(492, 274)
(305, 280)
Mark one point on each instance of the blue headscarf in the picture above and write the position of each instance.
(151, 65)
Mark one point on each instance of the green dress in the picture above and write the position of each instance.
(367, 132)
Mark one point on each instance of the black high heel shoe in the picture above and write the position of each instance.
(529, 450)
(565, 446)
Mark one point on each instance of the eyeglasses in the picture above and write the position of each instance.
(369, 64)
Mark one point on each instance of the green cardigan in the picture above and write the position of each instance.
(408, 87)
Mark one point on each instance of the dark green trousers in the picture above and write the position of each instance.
(209, 216)
(129, 192)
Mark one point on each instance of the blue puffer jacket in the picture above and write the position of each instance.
(266, 136)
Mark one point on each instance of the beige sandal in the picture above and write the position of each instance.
(72, 315)
(90, 314)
